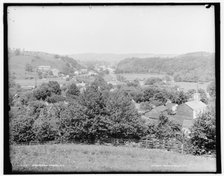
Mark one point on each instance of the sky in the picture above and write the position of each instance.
(112, 29)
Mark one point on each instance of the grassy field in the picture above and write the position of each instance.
(31, 82)
(191, 85)
(75, 157)
(183, 85)
(133, 76)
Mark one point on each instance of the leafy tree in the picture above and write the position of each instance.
(55, 98)
(29, 68)
(42, 92)
(180, 98)
(121, 78)
(203, 133)
(147, 106)
(203, 96)
(153, 80)
(45, 127)
(73, 91)
(17, 52)
(54, 87)
(21, 129)
(35, 108)
(72, 123)
(25, 98)
(134, 83)
(212, 89)
(101, 84)
(93, 100)
(190, 93)
(149, 93)
(161, 97)
(124, 118)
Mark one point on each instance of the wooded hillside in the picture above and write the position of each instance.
(187, 67)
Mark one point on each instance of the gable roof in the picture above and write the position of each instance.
(196, 105)
(154, 113)
(187, 123)
(170, 105)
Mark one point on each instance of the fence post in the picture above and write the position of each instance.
(182, 146)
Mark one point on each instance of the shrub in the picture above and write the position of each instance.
(72, 123)
(45, 127)
(54, 87)
(21, 129)
(73, 91)
(153, 80)
(55, 98)
(35, 108)
(203, 133)
(124, 118)
(147, 106)
(42, 92)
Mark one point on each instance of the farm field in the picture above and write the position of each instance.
(87, 158)
(133, 76)
(191, 85)
(183, 85)
(31, 82)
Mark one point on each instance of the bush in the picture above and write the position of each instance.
(42, 92)
(54, 87)
(153, 80)
(203, 133)
(45, 127)
(73, 91)
(147, 106)
(55, 98)
(124, 118)
(35, 108)
(72, 123)
(21, 129)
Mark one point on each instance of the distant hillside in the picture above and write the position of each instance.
(187, 67)
(18, 61)
(112, 58)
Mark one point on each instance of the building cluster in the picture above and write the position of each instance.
(184, 114)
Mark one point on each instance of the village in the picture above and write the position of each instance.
(184, 114)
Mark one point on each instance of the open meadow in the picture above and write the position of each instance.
(31, 82)
(183, 85)
(99, 158)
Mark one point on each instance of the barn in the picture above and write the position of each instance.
(155, 113)
(190, 110)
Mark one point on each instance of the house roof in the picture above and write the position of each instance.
(170, 105)
(187, 123)
(154, 113)
(195, 105)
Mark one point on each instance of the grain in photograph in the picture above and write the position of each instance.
(112, 88)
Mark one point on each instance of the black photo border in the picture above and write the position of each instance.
(6, 152)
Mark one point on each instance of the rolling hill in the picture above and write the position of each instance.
(198, 66)
(18, 61)
(112, 58)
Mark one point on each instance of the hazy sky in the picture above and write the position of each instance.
(112, 29)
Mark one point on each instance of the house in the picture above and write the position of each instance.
(155, 113)
(83, 71)
(76, 72)
(92, 73)
(55, 71)
(190, 110)
(44, 67)
(82, 84)
(171, 107)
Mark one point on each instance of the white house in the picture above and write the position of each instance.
(191, 109)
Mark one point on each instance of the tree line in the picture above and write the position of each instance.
(98, 114)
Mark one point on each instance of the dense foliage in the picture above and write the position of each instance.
(189, 67)
(104, 114)
(203, 136)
